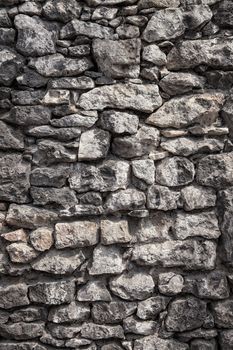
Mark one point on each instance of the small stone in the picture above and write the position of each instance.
(197, 197)
(170, 283)
(64, 331)
(21, 252)
(21, 330)
(132, 286)
(30, 8)
(59, 11)
(56, 97)
(10, 65)
(28, 115)
(151, 74)
(197, 16)
(31, 78)
(27, 97)
(185, 314)
(127, 31)
(19, 235)
(74, 120)
(5, 21)
(119, 122)
(53, 293)
(113, 312)
(154, 342)
(96, 331)
(94, 291)
(79, 51)
(129, 199)
(60, 197)
(164, 25)
(144, 98)
(162, 198)
(153, 54)
(180, 83)
(175, 171)
(226, 338)
(62, 134)
(41, 239)
(7, 36)
(54, 176)
(73, 312)
(223, 17)
(76, 234)
(144, 169)
(79, 83)
(151, 307)
(135, 326)
(104, 12)
(91, 30)
(223, 314)
(107, 260)
(117, 59)
(13, 295)
(35, 37)
(94, 144)
(114, 231)
(144, 4)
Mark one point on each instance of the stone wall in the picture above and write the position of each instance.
(116, 175)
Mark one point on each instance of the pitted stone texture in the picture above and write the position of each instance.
(107, 260)
(113, 312)
(54, 293)
(128, 199)
(14, 295)
(197, 197)
(92, 30)
(73, 312)
(119, 122)
(10, 64)
(94, 291)
(62, 11)
(156, 343)
(114, 231)
(162, 198)
(94, 144)
(95, 331)
(150, 308)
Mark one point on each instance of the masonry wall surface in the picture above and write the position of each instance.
(116, 175)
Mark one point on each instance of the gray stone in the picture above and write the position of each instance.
(198, 333)
(79, 83)
(109, 175)
(27, 216)
(162, 198)
(7, 36)
(144, 4)
(76, 234)
(73, 312)
(183, 111)
(127, 31)
(170, 283)
(135, 326)
(142, 143)
(29, 314)
(13, 295)
(74, 120)
(21, 252)
(80, 210)
(94, 144)
(28, 115)
(31, 78)
(21, 346)
(154, 342)
(114, 231)
(223, 16)
(94, 291)
(144, 98)
(64, 331)
(203, 344)
(153, 54)
(10, 64)
(5, 21)
(91, 30)
(216, 170)
(25, 97)
(151, 307)
(59, 262)
(197, 197)
(226, 339)
(185, 314)
(54, 176)
(15, 236)
(128, 199)
(35, 37)
(59, 10)
(96, 331)
(175, 171)
(22, 330)
(61, 197)
(113, 312)
(180, 83)
(119, 122)
(192, 53)
(56, 97)
(144, 170)
(164, 25)
(188, 254)
(53, 293)
(132, 286)
(41, 239)
(57, 65)
(118, 59)
(107, 260)
(104, 12)
(223, 313)
(10, 138)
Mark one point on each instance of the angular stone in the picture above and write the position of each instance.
(96, 331)
(151, 307)
(128, 199)
(132, 286)
(64, 331)
(144, 98)
(25, 97)
(117, 59)
(112, 346)
(144, 4)
(110, 175)
(21, 346)
(15, 236)
(91, 30)
(197, 16)
(29, 217)
(22, 330)
(28, 115)
(57, 65)
(144, 170)
(164, 25)
(127, 31)
(223, 313)
(94, 291)
(198, 333)
(203, 344)
(197, 197)
(192, 53)
(216, 170)
(79, 50)
(94, 144)
(107, 260)
(59, 10)
(7, 36)
(10, 138)
(5, 21)
(153, 54)
(185, 314)
(80, 210)
(113, 312)
(76, 234)
(74, 120)
(183, 111)
(35, 37)
(53, 293)
(29, 314)
(61, 197)
(59, 262)
(79, 83)
(156, 343)
(56, 97)
(224, 17)
(119, 122)
(13, 295)
(226, 339)
(170, 283)
(135, 326)
(31, 78)
(42, 238)
(14, 178)
(186, 146)
(114, 231)
(180, 83)
(10, 64)
(175, 171)
(55, 176)
(188, 254)
(73, 312)
(162, 198)
(21, 252)
(142, 143)
(104, 12)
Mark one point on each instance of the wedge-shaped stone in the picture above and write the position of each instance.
(197, 197)
(10, 138)
(107, 260)
(94, 144)
(73, 312)
(94, 291)
(89, 29)
(57, 65)
(117, 59)
(13, 295)
(109, 175)
(183, 111)
(59, 262)
(113, 312)
(192, 53)
(188, 254)
(156, 343)
(96, 331)
(76, 234)
(59, 10)
(144, 98)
